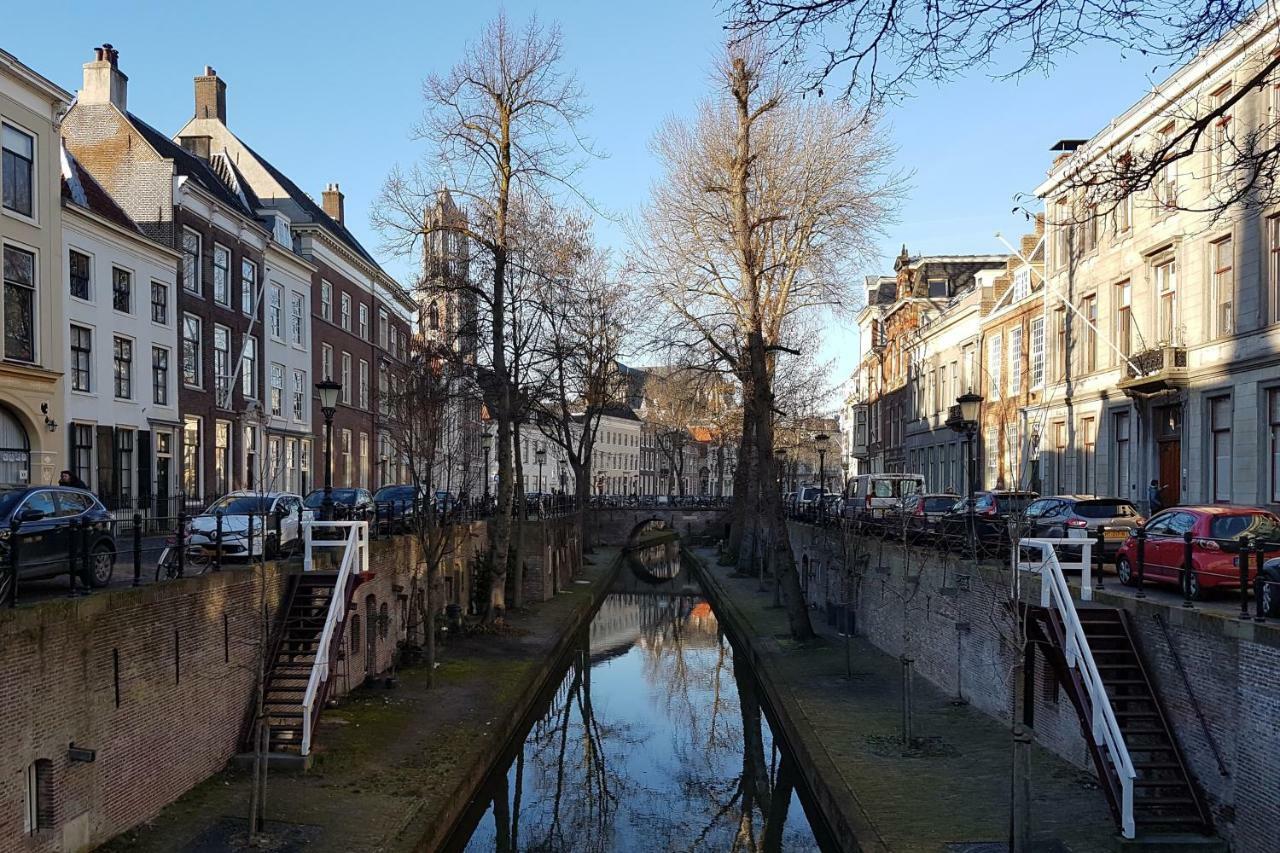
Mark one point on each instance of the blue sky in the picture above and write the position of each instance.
(329, 91)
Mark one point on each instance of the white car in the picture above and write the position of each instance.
(273, 516)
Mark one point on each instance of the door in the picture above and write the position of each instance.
(1170, 459)
(164, 473)
(41, 550)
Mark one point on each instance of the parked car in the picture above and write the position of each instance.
(868, 497)
(1215, 546)
(1270, 592)
(396, 506)
(254, 524)
(919, 514)
(996, 515)
(1059, 515)
(348, 504)
(45, 515)
(807, 501)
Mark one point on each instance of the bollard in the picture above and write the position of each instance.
(1099, 560)
(73, 556)
(1188, 566)
(12, 567)
(137, 549)
(1141, 536)
(217, 539)
(278, 521)
(182, 541)
(1246, 542)
(301, 523)
(1260, 615)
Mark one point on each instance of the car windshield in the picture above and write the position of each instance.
(809, 493)
(1015, 502)
(340, 496)
(9, 499)
(390, 493)
(941, 504)
(1105, 509)
(239, 505)
(1234, 526)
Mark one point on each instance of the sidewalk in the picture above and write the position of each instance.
(953, 789)
(393, 769)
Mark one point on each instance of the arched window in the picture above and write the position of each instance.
(15, 450)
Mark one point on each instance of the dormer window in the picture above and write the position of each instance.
(1021, 283)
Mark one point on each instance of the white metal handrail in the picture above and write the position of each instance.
(1055, 594)
(1084, 566)
(355, 557)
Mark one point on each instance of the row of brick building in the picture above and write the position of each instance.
(171, 301)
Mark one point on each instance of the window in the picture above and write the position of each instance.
(191, 429)
(1037, 353)
(159, 303)
(1224, 286)
(160, 376)
(275, 311)
(383, 326)
(39, 811)
(1060, 457)
(1089, 334)
(78, 264)
(1089, 456)
(222, 457)
(81, 358)
(1220, 134)
(364, 323)
(191, 350)
(222, 365)
(1165, 185)
(221, 274)
(1273, 265)
(249, 368)
(1273, 424)
(1021, 283)
(1121, 484)
(122, 349)
(121, 290)
(345, 311)
(1124, 318)
(251, 473)
(346, 378)
(995, 360)
(384, 401)
(82, 452)
(364, 460)
(1123, 215)
(364, 384)
(190, 260)
(297, 310)
(299, 394)
(18, 178)
(433, 317)
(326, 361)
(122, 466)
(346, 458)
(19, 304)
(1165, 277)
(248, 286)
(326, 300)
(277, 388)
(1220, 448)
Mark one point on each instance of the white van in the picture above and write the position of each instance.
(868, 496)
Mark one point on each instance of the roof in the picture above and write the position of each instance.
(191, 166)
(80, 188)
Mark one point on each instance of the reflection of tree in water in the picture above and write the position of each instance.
(579, 783)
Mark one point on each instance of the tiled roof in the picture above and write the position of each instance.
(192, 167)
(83, 190)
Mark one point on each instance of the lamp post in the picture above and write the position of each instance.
(965, 421)
(328, 391)
(820, 441)
(486, 441)
(541, 455)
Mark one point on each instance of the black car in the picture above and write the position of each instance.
(396, 506)
(348, 504)
(44, 516)
(994, 514)
(919, 515)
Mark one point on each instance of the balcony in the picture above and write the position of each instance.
(1162, 368)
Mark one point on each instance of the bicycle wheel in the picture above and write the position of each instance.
(167, 565)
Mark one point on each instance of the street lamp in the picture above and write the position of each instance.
(328, 391)
(486, 441)
(965, 421)
(820, 441)
(541, 455)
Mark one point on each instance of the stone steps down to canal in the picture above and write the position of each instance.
(840, 701)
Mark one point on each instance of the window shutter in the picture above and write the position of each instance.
(106, 463)
(143, 449)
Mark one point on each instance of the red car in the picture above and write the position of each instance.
(1215, 545)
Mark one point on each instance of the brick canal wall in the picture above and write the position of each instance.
(955, 623)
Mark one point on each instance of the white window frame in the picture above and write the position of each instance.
(34, 217)
(218, 247)
(1037, 354)
(196, 266)
(249, 368)
(248, 295)
(275, 311)
(326, 300)
(275, 403)
(995, 360)
(326, 361)
(346, 378)
(199, 341)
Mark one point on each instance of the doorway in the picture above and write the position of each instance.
(1169, 453)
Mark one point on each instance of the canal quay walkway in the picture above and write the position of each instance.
(948, 796)
(393, 769)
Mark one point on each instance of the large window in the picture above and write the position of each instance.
(81, 358)
(1273, 263)
(191, 347)
(344, 302)
(1220, 134)
(1165, 186)
(249, 368)
(297, 310)
(18, 177)
(1089, 333)
(159, 303)
(299, 395)
(364, 322)
(1015, 360)
(383, 326)
(1060, 343)
(122, 353)
(1273, 432)
(190, 260)
(191, 468)
(1121, 483)
(1037, 353)
(364, 384)
(1165, 275)
(275, 311)
(248, 285)
(122, 290)
(1089, 456)
(78, 264)
(346, 378)
(326, 300)
(995, 359)
(222, 457)
(82, 452)
(347, 479)
(19, 304)
(160, 376)
(123, 466)
(277, 388)
(1220, 448)
(221, 274)
(222, 365)
(1124, 318)
(1224, 287)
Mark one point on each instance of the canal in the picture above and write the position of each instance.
(654, 739)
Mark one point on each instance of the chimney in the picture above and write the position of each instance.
(332, 202)
(211, 96)
(103, 82)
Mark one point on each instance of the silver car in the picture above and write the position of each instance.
(1058, 515)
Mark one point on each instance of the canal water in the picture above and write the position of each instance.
(654, 740)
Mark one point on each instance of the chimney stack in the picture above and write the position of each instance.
(103, 82)
(211, 96)
(332, 202)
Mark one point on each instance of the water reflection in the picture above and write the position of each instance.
(653, 740)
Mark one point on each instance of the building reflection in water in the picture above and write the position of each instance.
(653, 740)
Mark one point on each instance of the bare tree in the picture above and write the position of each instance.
(503, 127)
(767, 202)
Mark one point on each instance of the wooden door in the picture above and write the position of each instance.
(1170, 458)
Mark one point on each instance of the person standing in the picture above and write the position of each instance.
(1154, 501)
(72, 481)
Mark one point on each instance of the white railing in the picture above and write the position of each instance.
(1055, 594)
(355, 558)
(1077, 539)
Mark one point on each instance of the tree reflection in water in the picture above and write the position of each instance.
(654, 740)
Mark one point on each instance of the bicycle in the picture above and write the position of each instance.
(196, 563)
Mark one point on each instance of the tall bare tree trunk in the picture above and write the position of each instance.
(515, 554)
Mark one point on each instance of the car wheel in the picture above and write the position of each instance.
(1270, 598)
(102, 562)
(1124, 571)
